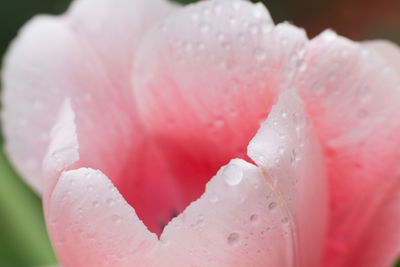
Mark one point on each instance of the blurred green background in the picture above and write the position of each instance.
(23, 238)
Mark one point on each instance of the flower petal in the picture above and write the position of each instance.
(380, 246)
(90, 224)
(353, 96)
(242, 219)
(248, 220)
(113, 30)
(63, 148)
(287, 149)
(223, 63)
(238, 221)
(53, 59)
(388, 50)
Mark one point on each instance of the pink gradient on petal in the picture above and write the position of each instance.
(242, 219)
(353, 97)
(388, 50)
(161, 109)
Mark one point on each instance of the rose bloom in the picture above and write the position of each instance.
(205, 135)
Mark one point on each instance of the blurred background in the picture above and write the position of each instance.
(23, 238)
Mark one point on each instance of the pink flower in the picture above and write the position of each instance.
(153, 99)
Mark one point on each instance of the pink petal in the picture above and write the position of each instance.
(242, 219)
(205, 79)
(113, 30)
(69, 57)
(52, 60)
(63, 148)
(238, 221)
(287, 148)
(380, 246)
(90, 224)
(388, 50)
(353, 97)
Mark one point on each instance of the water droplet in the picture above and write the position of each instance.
(272, 206)
(164, 241)
(295, 156)
(284, 114)
(206, 12)
(233, 238)
(237, 5)
(217, 8)
(328, 35)
(116, 218)
(226, 46)
(201, 46)
(284, 42)
(204, 28)
(254, 218)
(188, 47)
(233, 175)
(299, 121)
(213, 198)
(195, 17)
(258, 11)
(110, 202)
(254, 29)
(95, 204)
(221, 37)
(260, 54)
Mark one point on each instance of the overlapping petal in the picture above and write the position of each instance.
(59, 59)
(55, 58)
(205, 80)
(353, 97)
(168, 109)
(242, 219)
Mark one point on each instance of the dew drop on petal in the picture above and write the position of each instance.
(272, 206)
(233, 238)
(110, 202)
(116, 218)
(260, 54)
(233, 175)
(253, 218)
(213, 198)
(204, 28)
(285, 220)
(95, 204)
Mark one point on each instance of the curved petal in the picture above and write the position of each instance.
(353, 96)
(223, 63)
(238, 221)
(242, 219)
(53, 59)
(388, 50)
(90, 224)
(287, 149)
(381, 246)
(63, 150)
(113, 30)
